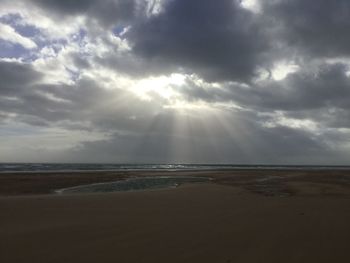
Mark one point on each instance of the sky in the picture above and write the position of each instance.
(175, 81)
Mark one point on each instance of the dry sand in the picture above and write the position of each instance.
(289, 217)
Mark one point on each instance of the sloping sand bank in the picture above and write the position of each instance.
(192, 223)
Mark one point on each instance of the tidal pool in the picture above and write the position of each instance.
(134, 184)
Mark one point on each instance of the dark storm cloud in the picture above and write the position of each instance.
(319, 28)
(129, 64)
(16, 77)
(326, 87)
(66, 6)
(20, 94)
(217, 39)
(320, 94)
(17, 93)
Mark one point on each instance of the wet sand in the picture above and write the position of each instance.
(242, 216)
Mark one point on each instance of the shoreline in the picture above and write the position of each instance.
(261, 181)
(304, 168)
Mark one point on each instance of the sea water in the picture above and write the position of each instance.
(134, 184)
(77, 167)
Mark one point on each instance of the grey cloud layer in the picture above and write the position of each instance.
(319, 28)
(320, 95)
(155, 135)
(85, 101)
(219, 42)
(242, 140)
(327, 87)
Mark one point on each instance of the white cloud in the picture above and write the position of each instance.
(279, 119)
(282, 69)
(7, 33)
(252, 5)
(51, 27)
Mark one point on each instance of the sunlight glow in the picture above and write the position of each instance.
(160, 86)
(281, 120)
(252, 5)
(186, 106)
(282, 69)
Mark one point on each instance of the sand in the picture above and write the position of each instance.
(291, 217)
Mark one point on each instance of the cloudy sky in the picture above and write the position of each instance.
(184, 81)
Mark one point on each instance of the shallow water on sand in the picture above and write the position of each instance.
(134, 184)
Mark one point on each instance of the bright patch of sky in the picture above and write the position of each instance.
(282, 69)
(9, 34)
(252, 5)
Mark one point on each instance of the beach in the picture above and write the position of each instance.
(239, 216)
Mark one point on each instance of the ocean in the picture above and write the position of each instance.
(77, 167)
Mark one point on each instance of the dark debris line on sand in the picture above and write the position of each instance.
(264, 185)
(280, 184)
